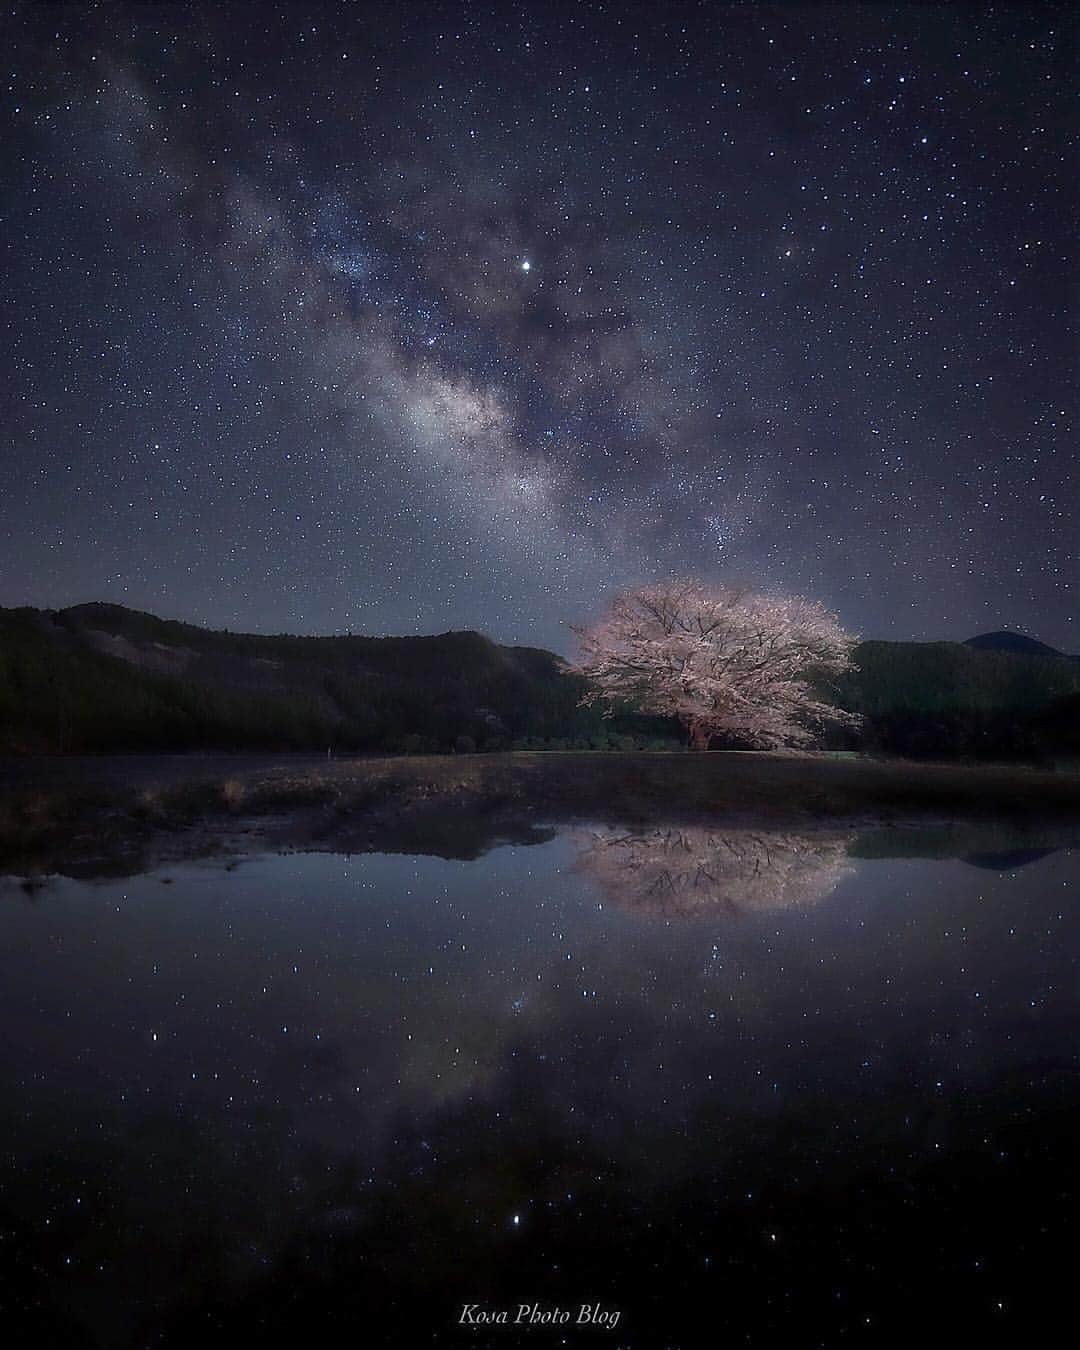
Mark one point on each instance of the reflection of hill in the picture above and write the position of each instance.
(691, 869)
(1007, 860)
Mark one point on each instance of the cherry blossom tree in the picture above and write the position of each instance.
(723, 660)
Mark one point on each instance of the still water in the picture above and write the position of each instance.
(658, 1087)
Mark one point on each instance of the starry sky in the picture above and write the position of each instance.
(400, 318)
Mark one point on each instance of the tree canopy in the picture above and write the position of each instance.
(723, 660)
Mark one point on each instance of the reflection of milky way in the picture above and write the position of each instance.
(398, 319)
(693, 870)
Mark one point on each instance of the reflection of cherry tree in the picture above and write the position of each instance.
(690, 869)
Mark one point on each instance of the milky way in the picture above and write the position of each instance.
(404, 318)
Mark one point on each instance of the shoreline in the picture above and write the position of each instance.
(119, 814)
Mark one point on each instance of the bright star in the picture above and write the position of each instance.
(526, 265)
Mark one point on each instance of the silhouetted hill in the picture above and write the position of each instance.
(1005, 641)
(951, 698)
(102, 677)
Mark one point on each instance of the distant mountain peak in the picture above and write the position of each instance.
(1005, 640)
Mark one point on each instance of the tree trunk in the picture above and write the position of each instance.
(700, 735)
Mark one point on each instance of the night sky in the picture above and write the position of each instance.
(397, 318)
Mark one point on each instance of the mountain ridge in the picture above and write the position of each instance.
(1011, 640)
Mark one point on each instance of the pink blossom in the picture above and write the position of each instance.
(722, 660)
